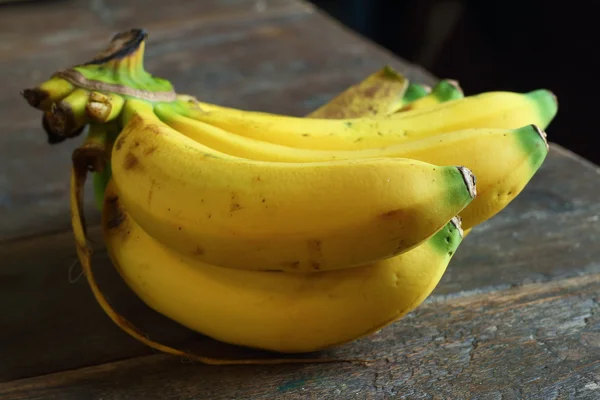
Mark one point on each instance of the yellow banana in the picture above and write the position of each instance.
(240, 213)
(285, 312)
(381, 93)
(503, 160)
(376, 96)
(505, 110)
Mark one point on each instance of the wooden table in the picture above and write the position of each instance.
(516, 316)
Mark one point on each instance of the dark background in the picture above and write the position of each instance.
(497, 45)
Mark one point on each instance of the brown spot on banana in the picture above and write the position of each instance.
(198, 251)
(150, 150)
(392, 214)
(153, 128)
(131, 162)
(151, 190)
(114, 215)
(314, 246)
(315, 253)
(235, 204)
(120, 142)
(291, 264)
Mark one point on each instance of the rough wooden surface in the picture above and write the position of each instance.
(537, 341)
(516, 316)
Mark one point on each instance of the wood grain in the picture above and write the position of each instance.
(537, 341)
(50, 324)
(288, 60)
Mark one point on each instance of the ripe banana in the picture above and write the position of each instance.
(503, 160)
(504, 110)
(381, 93)
(285, 312)
(240, 213)
(372, 97)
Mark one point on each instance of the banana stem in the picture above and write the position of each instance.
(96, 91)
(103, 108)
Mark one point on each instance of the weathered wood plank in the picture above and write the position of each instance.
(47, 27)
(290, 62)
(49, 324)
(538, 341)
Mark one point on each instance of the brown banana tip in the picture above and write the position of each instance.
(62, 120)
(543, 135)
(58, 119)
(470, 180)
(52, 137)
(34, 96)
(121, 45)
(457, 222)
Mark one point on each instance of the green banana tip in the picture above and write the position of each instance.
(546, 103)
(531, 134)
(448, 89)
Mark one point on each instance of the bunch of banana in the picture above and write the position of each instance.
(285, 233)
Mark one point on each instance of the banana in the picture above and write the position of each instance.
(381, 93)
(503, 110)
(47, 93)
(414, 91)
(503, 160)
(366, 98)
(284, 312)
(445, 90)
(240, 213)
(241, 146)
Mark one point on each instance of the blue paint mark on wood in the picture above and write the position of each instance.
(295, 384)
